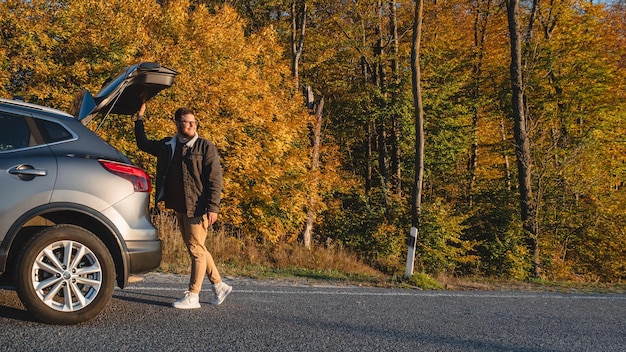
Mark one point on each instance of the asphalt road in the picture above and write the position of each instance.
(280, 316)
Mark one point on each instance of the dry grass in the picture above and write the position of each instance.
(238, 256)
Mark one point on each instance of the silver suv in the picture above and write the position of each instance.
(74, 217)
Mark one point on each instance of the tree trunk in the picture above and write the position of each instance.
(481, 17)
(379, 72)
(505, 156)
(380, 81)
(298, 27)
(366, 71)
(418, 112)
(522, 142)
(316, 142)
(396, 174)
(382, 159)
(368, 157)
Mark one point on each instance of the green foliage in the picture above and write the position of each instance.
(367, 229)
(501, 246)
(441, 247)
(424, 281)
(508, 254)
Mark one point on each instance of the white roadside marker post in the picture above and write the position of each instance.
(410, 258)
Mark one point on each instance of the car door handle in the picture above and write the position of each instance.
(27, 172)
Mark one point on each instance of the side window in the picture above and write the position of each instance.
(53, 132)
(14, 132)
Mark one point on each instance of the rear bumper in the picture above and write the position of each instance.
(143, 256)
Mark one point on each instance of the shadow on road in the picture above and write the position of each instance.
(145, 298)
(11, 307)
(15, 314)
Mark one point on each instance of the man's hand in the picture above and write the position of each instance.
(212, 218)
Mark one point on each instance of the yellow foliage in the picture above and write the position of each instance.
(238, 84)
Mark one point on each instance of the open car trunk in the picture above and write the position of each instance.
(124, 94)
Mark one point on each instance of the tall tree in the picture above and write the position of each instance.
(396, 155)
(418, 111)
(522, 140)
(298, 30)
(316, 142)
(482, 11)
(380, 81)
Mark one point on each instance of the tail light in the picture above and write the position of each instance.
(136, 176)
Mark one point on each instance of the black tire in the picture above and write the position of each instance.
(65, 275)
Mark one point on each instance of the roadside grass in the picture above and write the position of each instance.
(542, 285)
(240, 257)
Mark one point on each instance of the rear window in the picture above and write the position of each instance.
(53, 132)
(14, 132)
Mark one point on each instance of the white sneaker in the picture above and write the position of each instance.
(220, 290)
(189, 301)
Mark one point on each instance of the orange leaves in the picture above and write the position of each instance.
(236, 85)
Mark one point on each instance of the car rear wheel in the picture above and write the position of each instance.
(65, 275)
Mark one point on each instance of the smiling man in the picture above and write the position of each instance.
(189, 180)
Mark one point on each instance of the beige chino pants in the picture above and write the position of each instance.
(194, 231)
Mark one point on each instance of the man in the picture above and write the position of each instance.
(189, 180)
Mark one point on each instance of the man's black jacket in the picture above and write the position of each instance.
(202, 172)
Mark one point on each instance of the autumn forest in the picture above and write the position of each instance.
(494, 127)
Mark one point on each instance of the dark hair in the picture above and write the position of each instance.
(182, 111)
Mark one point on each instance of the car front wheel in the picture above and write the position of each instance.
(65, 275)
